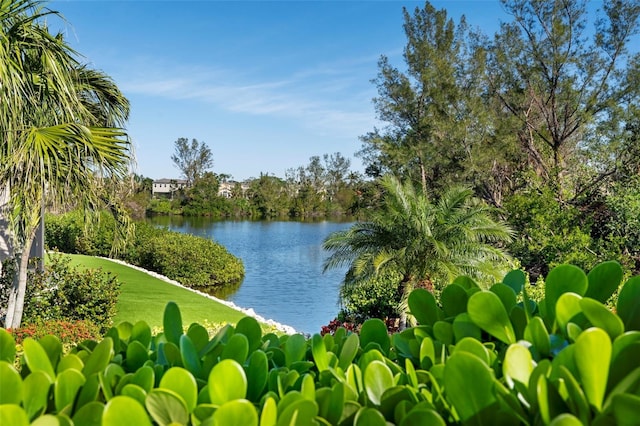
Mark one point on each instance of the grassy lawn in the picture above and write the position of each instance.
(144, 297)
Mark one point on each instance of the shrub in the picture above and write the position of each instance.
(191, 260)
(70, 333)
(374, 298)
(67, 294)
(71, 233)
(478, 357)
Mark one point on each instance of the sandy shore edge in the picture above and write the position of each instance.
(249, 312)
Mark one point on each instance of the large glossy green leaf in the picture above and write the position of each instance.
(319, 351)
(7, 346)
(517, 365)
(470, 397)
(566, 419)
(183, 383)
(625, 409)
(269, 415)
(567, 307)
(99, 357)
(66, 387)
(53, 347)
(604, 280)
(237, 349)
(35, 393)
(36, 358)
(515, 279)
(537, 334)
(369, 417)
(89, 414)
(12, 386)
(488, 312)
(227, 381)
(51, 420)
(191, 358)
(374, 330)
(600, 316)
(250, 327)
(135, 392)
(295, 349)
(454, 300)
(563, 279)
(141, 332)
(302, 412)
(473, 346)
(137, 355)
(199, 336)
(257, 372)
(14, 415)
(423, 306)
(236, 413)
(169, 354)
(463, 327)
(377, 378)
(331, 402)
(144, 377)
(172, 322)
(421, 417)
(628, 307)
(122, 410)
(166, 407)
(577, 399)
(349, 351)
(70, 361)
(443, 332)
(506, 295)
(592, 357)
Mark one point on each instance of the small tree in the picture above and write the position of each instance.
(193, 159)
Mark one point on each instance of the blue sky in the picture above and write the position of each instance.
(265, 84)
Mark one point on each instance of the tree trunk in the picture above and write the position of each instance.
(15, 306)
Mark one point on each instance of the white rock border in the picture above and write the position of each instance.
(249, 312)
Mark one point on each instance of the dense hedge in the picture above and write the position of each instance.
(191, 260)
(478, 357)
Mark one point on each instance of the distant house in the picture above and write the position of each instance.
(227, 188)
(167, 186)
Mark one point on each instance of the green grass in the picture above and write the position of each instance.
(144, 297)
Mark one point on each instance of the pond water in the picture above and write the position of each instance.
(283, 264)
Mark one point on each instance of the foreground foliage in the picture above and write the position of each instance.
(477, 357)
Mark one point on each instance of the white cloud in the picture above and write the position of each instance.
(328, 98)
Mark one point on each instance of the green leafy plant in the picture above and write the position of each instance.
(477, 357)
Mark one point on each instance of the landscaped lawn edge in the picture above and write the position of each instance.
(247, 311)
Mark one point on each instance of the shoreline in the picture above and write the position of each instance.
(247, 311)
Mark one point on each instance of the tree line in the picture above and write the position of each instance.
(325, 187)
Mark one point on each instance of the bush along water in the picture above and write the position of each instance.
(477, 357)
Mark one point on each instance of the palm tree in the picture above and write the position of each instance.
(61, 130)
(423, 242)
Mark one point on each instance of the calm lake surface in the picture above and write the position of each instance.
(283, 267)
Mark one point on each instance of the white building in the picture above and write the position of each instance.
(168, 186)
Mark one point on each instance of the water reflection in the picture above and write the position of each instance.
(283, 266)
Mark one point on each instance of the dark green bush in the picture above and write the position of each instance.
(375, 298)
(191, 260)
(72, 233)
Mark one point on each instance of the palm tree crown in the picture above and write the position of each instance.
(425, 242)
